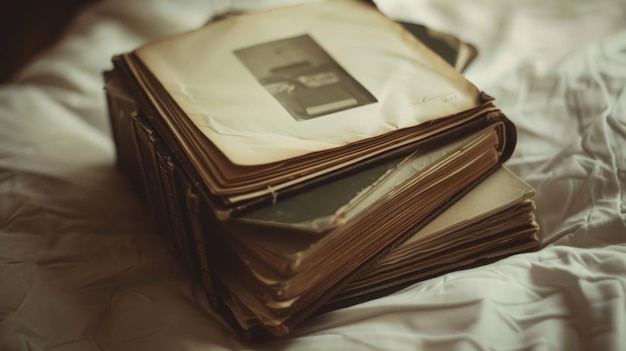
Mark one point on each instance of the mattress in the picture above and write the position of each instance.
(81, 267)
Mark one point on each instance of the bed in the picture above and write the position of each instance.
(81, 268)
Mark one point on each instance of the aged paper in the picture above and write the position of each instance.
(269, 86)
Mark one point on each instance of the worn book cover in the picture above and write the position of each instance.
(291, 156)
(259, 112)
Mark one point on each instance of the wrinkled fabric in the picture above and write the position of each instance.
(81, 267)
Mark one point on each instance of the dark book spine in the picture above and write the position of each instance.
(137, 155)
(173, 191)
(121, 106)
(197, 219)
(153, 188)
(166, 192)
(179, 209)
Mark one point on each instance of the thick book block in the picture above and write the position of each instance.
(310, 171)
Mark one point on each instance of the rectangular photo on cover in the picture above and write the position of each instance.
(303, 77)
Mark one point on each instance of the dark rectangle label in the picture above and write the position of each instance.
(303, 77)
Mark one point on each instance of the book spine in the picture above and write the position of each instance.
(121, 108)
(179, 209)
(137, 151)
(197, 213)
(166, 193)
(147, 144)
(173, 192)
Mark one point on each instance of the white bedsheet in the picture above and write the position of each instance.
(81, 268)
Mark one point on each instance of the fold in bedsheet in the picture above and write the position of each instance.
(574, 149)
(82, 269)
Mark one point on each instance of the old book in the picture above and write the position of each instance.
(246, 108)
(332, 110)
(493, 220)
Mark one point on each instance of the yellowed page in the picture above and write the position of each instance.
(215, 75)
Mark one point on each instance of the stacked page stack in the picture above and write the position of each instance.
(310, 157)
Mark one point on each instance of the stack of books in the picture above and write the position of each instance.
(314, 156)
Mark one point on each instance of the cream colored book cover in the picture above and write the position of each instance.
(278, 84)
